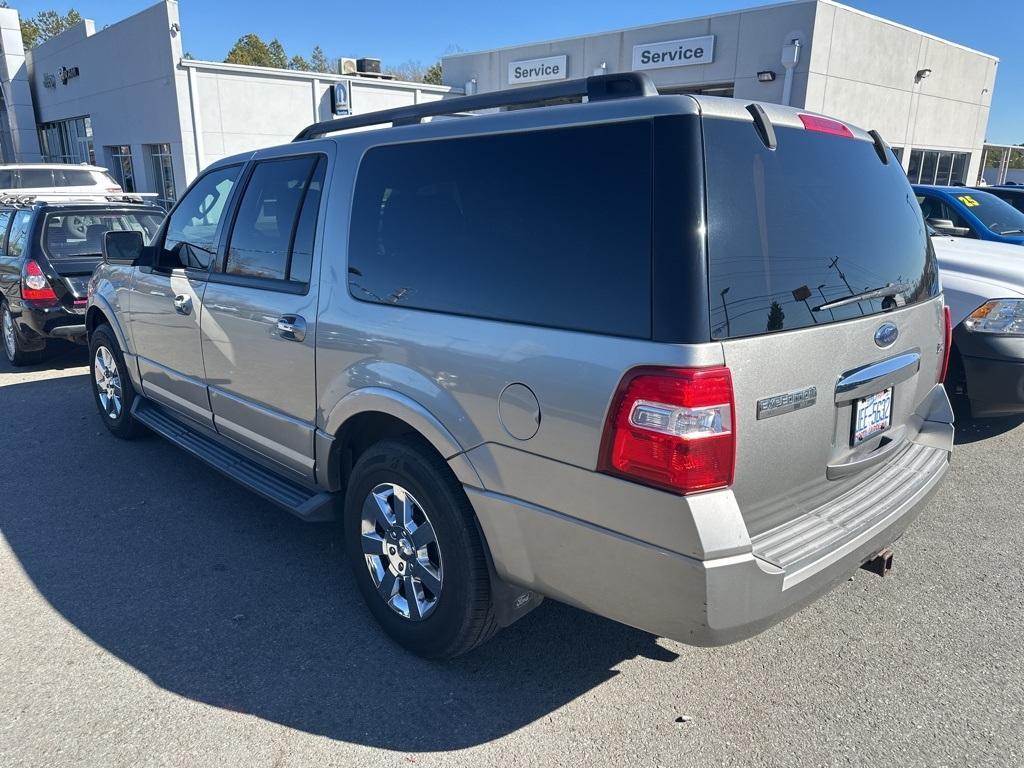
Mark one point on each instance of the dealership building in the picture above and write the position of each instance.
(928, 97)
(125, 97)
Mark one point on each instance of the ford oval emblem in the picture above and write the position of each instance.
(886, 335)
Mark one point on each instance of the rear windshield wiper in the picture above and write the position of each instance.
(892, 289)
(1012, 232)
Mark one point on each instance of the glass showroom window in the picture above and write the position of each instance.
(68, 141)
(119, 159)
(162, 167)
(930, 166)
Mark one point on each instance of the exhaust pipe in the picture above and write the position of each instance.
(880, 564)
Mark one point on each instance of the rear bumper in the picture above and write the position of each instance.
(711, 601)
(994, 370)
(38, 323)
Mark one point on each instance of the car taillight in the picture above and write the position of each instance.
(116, 190)
(672, 428)
(34, 285)
(825, 125)
(948, 343)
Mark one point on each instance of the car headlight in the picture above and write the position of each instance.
(1003, 317)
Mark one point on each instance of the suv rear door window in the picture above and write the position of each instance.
(19, 233)
(548, 228)
(265, 227)
(35, 177)
(817, 219)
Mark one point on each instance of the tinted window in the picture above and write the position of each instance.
(19, 233)
(302, 248)
(265, 225)
(74, 177)
(998, 215)
(6, 180)
(35, 177)
(191, 239)
(5, 219)
(549, 228)
(817, 219)
(73, 235)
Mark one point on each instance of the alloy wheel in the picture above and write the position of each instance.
(401, 551)
(10, 343)
(108, 382)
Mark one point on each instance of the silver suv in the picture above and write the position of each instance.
(670, 359)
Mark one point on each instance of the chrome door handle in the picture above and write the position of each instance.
(183, 304)
(292, 327)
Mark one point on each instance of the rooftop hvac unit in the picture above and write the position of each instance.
(347, 66)
(369, 66)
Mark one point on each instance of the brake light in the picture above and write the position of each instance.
(116, 190)
(948, 342)
(825, 125)
(672, 428)
(34, 285)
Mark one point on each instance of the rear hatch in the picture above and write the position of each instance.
(73, 244)
(827, 386)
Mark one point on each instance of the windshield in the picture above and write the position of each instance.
(816, 231)
(996, 214)
(74, 235)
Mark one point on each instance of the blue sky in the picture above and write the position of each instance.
(399, 30)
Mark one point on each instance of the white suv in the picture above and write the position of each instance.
(56, 178)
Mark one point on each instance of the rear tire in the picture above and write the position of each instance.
(111, 385)
(412, 541)
(14, 345)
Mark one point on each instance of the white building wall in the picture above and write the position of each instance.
(853, 65)
(17, 94)
(241, 108)
(127, 85)
(863, 70)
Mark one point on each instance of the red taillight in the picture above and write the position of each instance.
(672, 428)
(825, 125)
(948, 345)
(34, 285)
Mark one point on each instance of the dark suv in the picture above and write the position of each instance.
(48, 250)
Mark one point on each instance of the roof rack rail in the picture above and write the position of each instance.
(597, 88)
(14, 198)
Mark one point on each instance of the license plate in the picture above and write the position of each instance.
(872, 416)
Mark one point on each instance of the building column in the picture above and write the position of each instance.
(20, 113)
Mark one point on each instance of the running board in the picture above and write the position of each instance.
(300, 501)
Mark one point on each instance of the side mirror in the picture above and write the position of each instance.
(947, 227)
(124, 247)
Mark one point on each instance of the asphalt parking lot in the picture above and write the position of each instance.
(153, 613)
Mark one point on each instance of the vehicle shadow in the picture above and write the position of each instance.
(60, 356)
(217, 596)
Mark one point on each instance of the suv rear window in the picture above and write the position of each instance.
(549, 228)
(816, 219)
(76, 235)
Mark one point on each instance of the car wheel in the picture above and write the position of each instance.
(14, 346)
(416, 554)
(111, 385)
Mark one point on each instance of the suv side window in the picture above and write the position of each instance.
(272, 234)
(537, 227)
(19, 233)
(191, 239)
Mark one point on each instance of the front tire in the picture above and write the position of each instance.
(111, 385)
(416, 555)
(14, 346)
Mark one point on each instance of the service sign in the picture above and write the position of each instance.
(538, 70)
(674, 53)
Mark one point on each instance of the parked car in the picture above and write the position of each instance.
(968, 212)
(488, 344)
(48, 178)
(48, 250)
(1014, 195)
(983, 284)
